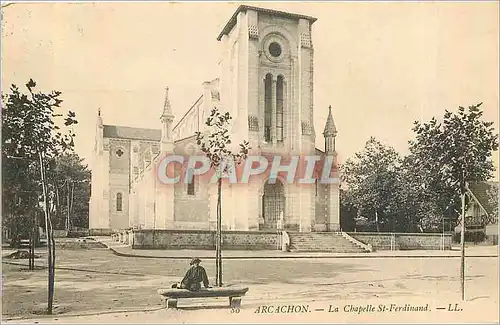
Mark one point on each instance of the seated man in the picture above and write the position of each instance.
(193, 277)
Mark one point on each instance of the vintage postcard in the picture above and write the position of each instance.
(205, 162)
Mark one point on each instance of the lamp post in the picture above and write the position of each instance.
(462, 246)
(219, 234)
(442, 236)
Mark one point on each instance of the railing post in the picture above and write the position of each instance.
(285, 241)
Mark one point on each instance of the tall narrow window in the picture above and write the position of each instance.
(268, 98)
(119, 200)
(190, 186)
(279, 109)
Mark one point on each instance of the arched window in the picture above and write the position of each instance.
(268, 98)
(279, 109)
(119, 199)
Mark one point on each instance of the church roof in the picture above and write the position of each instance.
(243, 8)
(188, 111)
(125, 132)
(480, 191)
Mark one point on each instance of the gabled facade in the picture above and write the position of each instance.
(266, 84)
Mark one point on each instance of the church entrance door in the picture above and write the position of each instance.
(273, 204)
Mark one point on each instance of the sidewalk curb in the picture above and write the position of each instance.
(361, 255)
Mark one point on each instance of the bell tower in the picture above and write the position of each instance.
(266, 85)
(267, 79)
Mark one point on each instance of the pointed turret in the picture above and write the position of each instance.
(330, 129)
(167, 109)
(330, 132)
(99, 134)
(166, 119)
(333, 189)
(99, 118)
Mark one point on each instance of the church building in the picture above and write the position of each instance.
(266, 84)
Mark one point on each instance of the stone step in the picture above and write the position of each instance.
(321, 246)
(322, 242)
(328, 250)
(324, 246)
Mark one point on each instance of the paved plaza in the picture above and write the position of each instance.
(97, 285)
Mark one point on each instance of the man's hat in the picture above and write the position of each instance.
(195, 260)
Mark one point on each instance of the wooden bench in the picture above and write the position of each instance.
(234, 293)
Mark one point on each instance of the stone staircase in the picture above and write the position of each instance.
(322, 242)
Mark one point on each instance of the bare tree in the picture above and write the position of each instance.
(215, 145)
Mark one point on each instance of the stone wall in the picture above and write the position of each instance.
(60, 233)
(102, 231)
(78, 233)
(320, 195)
(190, 207)
(78, 243)
(202, 239)
(404, 241)
(492, 234)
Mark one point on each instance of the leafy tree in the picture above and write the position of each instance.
(446, 155)
(348, 214)
(493, 201)
(215, 144)
(371, 177)
(70, 180)
(31, 143)
(417, 210)
(423, 190)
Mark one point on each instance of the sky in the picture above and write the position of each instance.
(380, 65)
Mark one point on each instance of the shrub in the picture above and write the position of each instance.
(470, 236)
